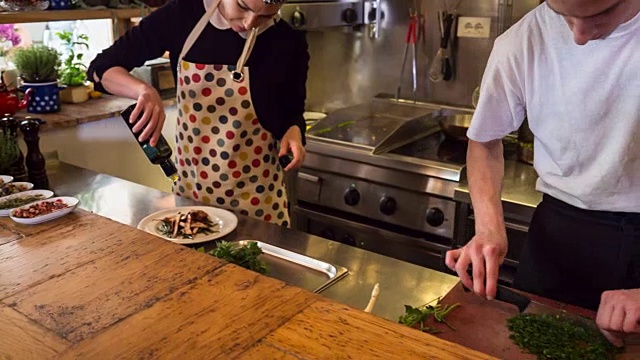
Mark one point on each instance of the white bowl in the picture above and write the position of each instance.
(5, 179)
(27, 185)
(45, 195)
(70, 201)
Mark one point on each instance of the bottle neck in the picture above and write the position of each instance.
(169, 169)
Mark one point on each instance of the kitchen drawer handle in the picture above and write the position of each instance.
(304, 176)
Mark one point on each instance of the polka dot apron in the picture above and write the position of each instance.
(224, 156)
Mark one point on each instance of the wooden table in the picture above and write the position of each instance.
(84, 286)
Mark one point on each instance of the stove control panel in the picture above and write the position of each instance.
(411, 209)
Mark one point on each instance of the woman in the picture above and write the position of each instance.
(227, 125)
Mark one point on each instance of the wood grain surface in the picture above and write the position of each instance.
(85, 287)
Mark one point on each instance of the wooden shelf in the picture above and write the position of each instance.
(75, 14)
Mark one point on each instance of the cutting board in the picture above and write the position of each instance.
(482, 324)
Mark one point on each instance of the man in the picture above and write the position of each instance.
(573, 68)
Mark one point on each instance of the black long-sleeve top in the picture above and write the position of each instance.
(278, 64)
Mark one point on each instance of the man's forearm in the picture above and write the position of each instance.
(485, 172)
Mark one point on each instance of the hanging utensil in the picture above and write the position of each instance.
(410, 40)
(442, 65)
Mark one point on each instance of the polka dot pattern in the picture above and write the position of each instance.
(225, 157)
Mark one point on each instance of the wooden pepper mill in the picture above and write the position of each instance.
(17, 169)
(35, 161)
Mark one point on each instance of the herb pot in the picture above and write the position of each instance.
(45, 97)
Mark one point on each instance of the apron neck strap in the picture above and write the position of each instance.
(195, 32)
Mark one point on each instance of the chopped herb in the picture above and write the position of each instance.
(416, 317)
(245, 256)
(559, 337)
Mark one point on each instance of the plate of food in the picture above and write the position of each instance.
(190, 224)
(14, 188)
(5, 179)
(44, 210)
(11, 202)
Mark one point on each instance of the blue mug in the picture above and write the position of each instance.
(45, 97)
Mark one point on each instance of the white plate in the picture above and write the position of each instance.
(226, 221)
(27, 185)
(70, 201)
(5, 179)
(45, 195)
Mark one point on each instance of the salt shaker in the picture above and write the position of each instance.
(35, 161)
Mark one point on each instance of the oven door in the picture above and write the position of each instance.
(411, 249)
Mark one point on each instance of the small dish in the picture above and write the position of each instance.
(44, 194)
(7, 189)
(71, 202)
(5, 179)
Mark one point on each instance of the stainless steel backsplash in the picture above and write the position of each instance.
(349, 67)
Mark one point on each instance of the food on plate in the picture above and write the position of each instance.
(418, 317)
(245, 256)
(10, 189)
(1, 182)
(39, 209)
(186, 225)
(559, 337)
(19, 201)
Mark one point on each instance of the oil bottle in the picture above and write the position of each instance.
(160, 154)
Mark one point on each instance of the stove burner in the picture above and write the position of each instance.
(435, 147)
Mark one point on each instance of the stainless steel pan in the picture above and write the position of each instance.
(455, 127)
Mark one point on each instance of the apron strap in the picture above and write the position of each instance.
(193, 36)
(237, 74)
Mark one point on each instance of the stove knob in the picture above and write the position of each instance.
(298, 19)
(349, 16)
(327, 234)
(349, 240)
(352, 197)
(435, 217)
(388, 205)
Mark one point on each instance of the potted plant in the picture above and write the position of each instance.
(38, 68)
(73, 74)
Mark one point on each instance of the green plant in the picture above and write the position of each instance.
(8, 150)
(37, 63)
(73, 70)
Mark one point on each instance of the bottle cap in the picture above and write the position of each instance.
(169, 169)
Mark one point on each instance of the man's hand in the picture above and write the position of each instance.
(485, 252)
(619, 315)
(292, 140)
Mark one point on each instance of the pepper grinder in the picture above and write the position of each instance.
(35, 161)
(17, 168)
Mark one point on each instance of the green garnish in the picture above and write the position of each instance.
(416, 317)
(245, 256)
(19, 201)
(559, 337)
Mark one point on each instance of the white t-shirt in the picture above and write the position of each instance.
(582, 104)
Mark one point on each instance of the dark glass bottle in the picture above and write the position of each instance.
(35, 162)
(17, 169)
(159, 154)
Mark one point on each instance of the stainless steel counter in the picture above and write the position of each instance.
(519, 194)
(400, 283)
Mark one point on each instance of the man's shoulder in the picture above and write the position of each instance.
(531, 29)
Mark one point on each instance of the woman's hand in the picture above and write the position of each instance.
(292, 141)
(149, 105)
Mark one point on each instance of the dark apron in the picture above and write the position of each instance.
(573, 255)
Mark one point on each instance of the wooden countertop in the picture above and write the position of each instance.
(84, 286)
(69, 115)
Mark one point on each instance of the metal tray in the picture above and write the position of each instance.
(299, 270)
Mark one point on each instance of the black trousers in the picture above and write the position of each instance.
(573, 255)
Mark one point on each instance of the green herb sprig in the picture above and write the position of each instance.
(73, 70)
(416, 317)
(559, 337)
(245, 256)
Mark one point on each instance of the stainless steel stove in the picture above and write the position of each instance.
(381, 176)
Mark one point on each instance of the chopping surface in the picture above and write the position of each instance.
(482, 324)
(84, 286)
